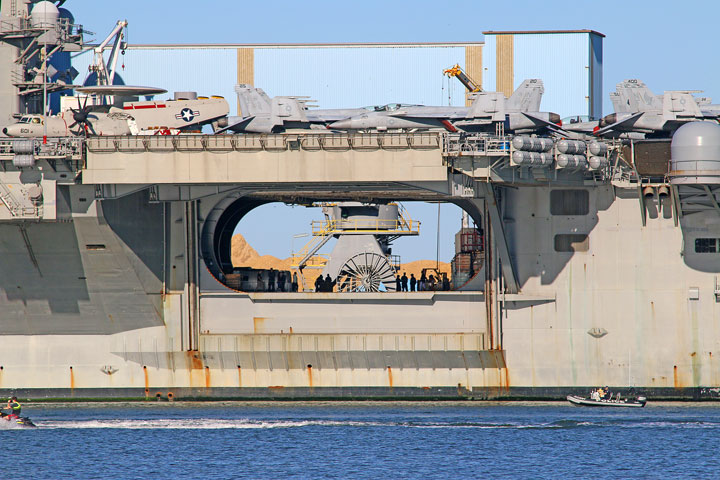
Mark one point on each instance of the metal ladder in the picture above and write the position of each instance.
(16, 208)
(8, 200)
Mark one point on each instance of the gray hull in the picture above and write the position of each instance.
(115, 287)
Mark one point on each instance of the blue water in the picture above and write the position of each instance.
(362, 440)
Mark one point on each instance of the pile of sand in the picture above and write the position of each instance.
(243, 255)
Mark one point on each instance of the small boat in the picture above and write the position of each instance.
(22, 421)
(637, 402)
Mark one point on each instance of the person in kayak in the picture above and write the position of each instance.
(14, 408)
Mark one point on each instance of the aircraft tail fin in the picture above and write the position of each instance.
(288, 109)
(634, 96)
(527, 97)
(680, 106)
(488, 105)
(253, 101)
(619, 103)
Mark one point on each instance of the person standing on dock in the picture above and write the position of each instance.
(271, 280)
(404, 281)
(398, 283)
(413, 282)
(294, 282)
(329, 283)
(281, 281)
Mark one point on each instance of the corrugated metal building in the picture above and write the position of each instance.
(335, 76)
(568, 61)
(353, 75)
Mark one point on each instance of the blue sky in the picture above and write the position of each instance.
(670, 45)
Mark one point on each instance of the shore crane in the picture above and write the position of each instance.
(457, 71)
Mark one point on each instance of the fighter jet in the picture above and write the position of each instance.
(262, 114)
(641, 113)
(123, 118)
(519, 113)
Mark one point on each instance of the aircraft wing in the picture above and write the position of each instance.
(540, 122)
(438, 115)
(444, 120)
(325, 117)
(240, 123)
(624, 122)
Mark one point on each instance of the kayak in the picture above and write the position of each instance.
(637, 402)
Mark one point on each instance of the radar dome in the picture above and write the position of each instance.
(65, 13)
(695, 154)
(91, 80)
(44, 14)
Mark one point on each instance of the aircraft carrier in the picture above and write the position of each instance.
(591, 263)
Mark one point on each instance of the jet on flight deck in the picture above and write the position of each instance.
(638, 112)
(520, 113)
(262, 114)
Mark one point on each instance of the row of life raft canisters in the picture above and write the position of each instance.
(537, 152)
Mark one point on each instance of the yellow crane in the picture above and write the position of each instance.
(457, 71)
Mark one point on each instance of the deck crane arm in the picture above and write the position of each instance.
(457, 71)
(106, 71)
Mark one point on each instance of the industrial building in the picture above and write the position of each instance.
(358, 74)
(569, 62)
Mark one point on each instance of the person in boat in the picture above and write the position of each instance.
(595, 395)
(14, 408)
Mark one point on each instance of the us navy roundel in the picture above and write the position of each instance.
(187, 114)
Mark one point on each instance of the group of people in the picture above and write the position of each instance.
(282, 281)
(412, 284)
(326, 284)
(277, 281)
(601, 394)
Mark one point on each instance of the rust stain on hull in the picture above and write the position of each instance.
(676, 381)
(72, 379)
(147, 381)
(310, 379)
(207, 377)
(258, 323)
(390, 377)
(239, 376)
(195, 363)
